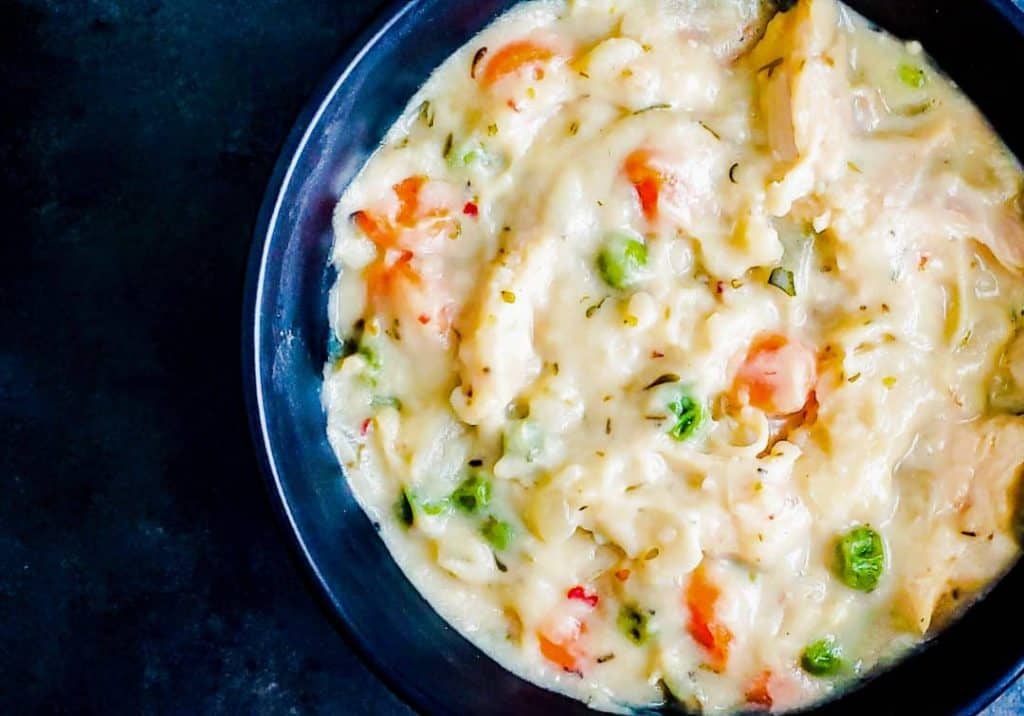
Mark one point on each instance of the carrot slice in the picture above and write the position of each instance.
(564, 651)
(758, 693)
(777, 375)
(382, 278)
(646, 180)
(512, 57)
(408, 193)
(376, 228)
(706, 630)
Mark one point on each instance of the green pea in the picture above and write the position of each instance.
(689, 415)
(622, 259)
(473, 495)
(822, 658)
(860, 558)
(497, 533)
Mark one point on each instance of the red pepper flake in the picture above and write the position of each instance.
(578, 592)
(719, 287)
(657, 354)
(622, 575)
(923, 261)
(470, 209)
(512, 105)
(423, 318)
(365, 427)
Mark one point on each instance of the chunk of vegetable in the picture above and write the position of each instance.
(467, 154)
(473, 495)
(777, 375)
(383, 279)
(562, 650)
(579, 593)
(523, 438)
(860, 558)
(782, 279)
(689, 414)
(622, 259)
(758, 692)
(497, 533)
(634, 624)
(513, 57)
(393, 233)
(704, 626)
(822, 658)
(912, 76)
(436, 507)
(646, 179)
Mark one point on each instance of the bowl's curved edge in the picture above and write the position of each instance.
(270, 207)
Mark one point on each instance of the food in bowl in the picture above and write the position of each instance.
(675, 348)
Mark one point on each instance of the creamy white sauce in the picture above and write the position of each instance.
(826, 244)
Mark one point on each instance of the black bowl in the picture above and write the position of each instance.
(979, 44)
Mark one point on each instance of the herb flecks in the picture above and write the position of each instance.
(662, 380)
(709, 130)
(769, 67)
(660, 105)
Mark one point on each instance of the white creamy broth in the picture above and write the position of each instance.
(675, 348)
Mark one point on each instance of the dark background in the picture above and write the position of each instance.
(141, 567)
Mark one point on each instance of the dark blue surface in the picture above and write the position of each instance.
(142, 569)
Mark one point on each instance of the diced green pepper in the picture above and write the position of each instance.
(860, 558)
(822, 658)
(782, 279)
(497, 533)
(622, 259)
(634, 624)
(473, 495)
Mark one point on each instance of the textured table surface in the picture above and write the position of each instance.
(140, 567)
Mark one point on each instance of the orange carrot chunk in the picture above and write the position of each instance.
(513, 57)
(562, 651)
(408, 193)
(646, 181)
(706, 630)
(758, 693)
(777, 375)
(382, 278)
(376, 228)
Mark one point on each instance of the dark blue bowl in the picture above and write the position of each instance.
(285, 330)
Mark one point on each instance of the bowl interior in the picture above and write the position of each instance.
(285, 324)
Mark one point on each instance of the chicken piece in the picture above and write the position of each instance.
(498, 356)
(972, 492)
(804, 97)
